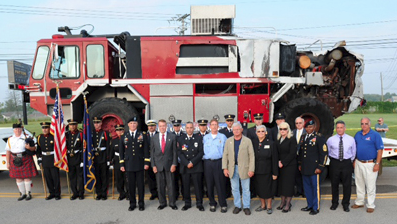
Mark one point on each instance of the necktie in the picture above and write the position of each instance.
(341, 149)
(307, 136)
(298, 136)
(162, 143)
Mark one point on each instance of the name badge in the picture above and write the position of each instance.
(267, 146)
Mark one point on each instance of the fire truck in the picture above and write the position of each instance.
(207, 74)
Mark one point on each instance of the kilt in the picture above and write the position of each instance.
(27, 170)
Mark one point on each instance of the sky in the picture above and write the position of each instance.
(369, 27)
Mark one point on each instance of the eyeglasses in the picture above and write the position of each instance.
(283, 129)
(364, 123)
(298, 123)
(260, 131)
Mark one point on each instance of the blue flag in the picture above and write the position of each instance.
(88, 167)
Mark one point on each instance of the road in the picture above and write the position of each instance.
(39, 210)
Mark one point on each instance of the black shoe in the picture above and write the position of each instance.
(313, 212)
(306, 209)
(333, 207)
(184, 208)
(81, 197)
(161, 207)
(212, 208)
(345, 208)
(98, 197)
(174, 207)
(200, 208)
(141, 208)
(223, 209)
(104, 198)
(57, 197)
(247, 211)
(50, 197)
(28, 196)
(74, 197)
(153, 197)
(280, 207)
(287, 210)
(236, 210)
(23, 196)
(121, 197)
(131, 208)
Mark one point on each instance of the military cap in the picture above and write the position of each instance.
(19, 125)
(176, 122)
(202, 122)
(279, 116)
(97, 119)
(119, 127)
(229, 117)
(311, 122)
(133, 119)
(258, 116)
(151, 123)
(45, 124)
(71, 122)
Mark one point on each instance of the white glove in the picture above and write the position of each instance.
(111, 167)
(81, 164)
(108, 163)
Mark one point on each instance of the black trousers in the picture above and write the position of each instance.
(341, 171)
(151, 181)
(166, 179)
(51, 175)
(298, 181)
(76, 179)
(120, 178)
(102, 179)
(214, 177)
(197, 179)
(136, 180)
(177, 179)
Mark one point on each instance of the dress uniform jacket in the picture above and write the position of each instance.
(191, 150)
(206, 132)
(226, 132)
(134, 151)
(45, 149)
(313, 153)
(74, 143)
(101, 137)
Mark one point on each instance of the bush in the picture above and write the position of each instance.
(377, 107)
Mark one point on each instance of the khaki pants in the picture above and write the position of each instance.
(365, 179)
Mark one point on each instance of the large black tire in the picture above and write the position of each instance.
(310, 108)
(113, 106)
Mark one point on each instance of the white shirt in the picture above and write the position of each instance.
(161, 136)
(133, 133)
(298, 134)
(16, 144)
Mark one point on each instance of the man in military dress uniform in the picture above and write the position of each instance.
(45, 154)
(74, 145)
(203, 127)
(228, 132)
(100, 141)
(178, 177)
(280, 118)
(150, 176)
(134, 158)
(190, 151)
(313, 154)
(121, 182)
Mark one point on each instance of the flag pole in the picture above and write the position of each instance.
(113, 183)
(67, 179)
(42, 177)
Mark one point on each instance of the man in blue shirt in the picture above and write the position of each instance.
(341, 151)
(213, 151)
(366, 166)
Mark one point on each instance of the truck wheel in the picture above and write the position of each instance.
(310, 109)
(113, 111)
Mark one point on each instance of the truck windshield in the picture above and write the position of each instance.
(40, 64)
(67, 64)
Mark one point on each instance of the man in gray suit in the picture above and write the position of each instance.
(164, 160)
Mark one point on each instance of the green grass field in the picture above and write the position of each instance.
(33, 126)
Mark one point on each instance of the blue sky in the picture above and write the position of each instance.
(370, 27)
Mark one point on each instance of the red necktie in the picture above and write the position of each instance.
(162, 143)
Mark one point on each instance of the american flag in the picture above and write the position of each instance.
(58, 130)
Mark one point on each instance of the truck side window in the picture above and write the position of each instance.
(67, 64)
(95, 61)
(40, 64)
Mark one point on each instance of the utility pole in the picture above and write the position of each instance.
(181, 19)
(381, 86)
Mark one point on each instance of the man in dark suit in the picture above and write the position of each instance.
(228, 132)
(190, 152)
(150, 176)
(164, 160)
(280, 118)
(297, 133)
(134, 158)
(179, 134)
(120, 176)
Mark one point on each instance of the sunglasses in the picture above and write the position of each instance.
(260, 131)
(364, 123)
(283, 129)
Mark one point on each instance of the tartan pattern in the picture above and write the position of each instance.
(27, 170)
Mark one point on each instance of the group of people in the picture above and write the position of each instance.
(260, 161)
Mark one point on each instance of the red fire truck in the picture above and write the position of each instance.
(209, 73)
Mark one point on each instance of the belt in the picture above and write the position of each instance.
(338, 159)
(213, 160)
(75, 151)
(102, 148)
(116, 154)
(19, 154)
(366, 161)
(47, 153)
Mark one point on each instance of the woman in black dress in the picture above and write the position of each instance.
(266, 169)
(287, 148)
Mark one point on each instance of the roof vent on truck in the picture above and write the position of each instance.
(212, 19)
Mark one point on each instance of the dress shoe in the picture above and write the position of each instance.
(259, 209)
(104, 198)
(280, 207)
(346, 208)
(306, 209)
(212, 208)
(50, 197)
(28, 196)
(81, 197)
(247, 211)
(73, 197)
(184, 208)
(98, 197)
(287, 210)
(269, 211)
(23, 196)
(174, 207)
(223, 209)
(236, 210)
(370, 210)
(161, 207)
(357, 206)
(333, 207)
(121, 197)
(313, 212)
(153, 197)
(200, 208)
(57, 197)
(131, 208)
(141, 208)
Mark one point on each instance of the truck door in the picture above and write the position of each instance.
(253, 98)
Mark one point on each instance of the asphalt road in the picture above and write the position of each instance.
(39, 210)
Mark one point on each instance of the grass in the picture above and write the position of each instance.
(33, 126)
